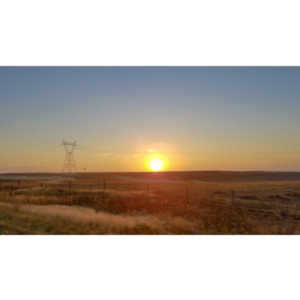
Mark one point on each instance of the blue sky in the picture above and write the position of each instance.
(198, 117)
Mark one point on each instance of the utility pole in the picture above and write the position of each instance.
(69, 163)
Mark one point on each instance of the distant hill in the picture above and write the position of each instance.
(218, 176)
(24, 170)
(206, 176)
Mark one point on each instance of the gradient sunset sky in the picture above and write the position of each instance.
(198, 118)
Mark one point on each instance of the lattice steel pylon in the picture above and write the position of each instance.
(69, 163)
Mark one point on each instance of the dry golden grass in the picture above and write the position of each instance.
(133, 204)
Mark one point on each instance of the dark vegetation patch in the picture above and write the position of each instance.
(293, 194)
(249, 197)
(278, 197)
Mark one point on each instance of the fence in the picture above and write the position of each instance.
(162, 196)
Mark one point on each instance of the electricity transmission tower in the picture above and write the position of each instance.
(69, 163)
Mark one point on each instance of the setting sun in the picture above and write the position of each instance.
(156, 165)
(156, 162)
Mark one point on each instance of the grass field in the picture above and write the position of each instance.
(150, 203)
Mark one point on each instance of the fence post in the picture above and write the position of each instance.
(10, 192)
(187, 195)
(232, 203)
(98, 187)
(232, 198)
(147, 191)
(70, 190)
(65, 191)
(104, 188)
(32, 194)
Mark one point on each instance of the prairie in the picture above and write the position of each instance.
(211, 202)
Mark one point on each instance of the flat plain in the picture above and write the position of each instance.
(195, 202)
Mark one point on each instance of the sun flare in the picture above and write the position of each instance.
(156, 165)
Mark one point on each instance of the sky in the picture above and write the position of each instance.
(195, 118)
